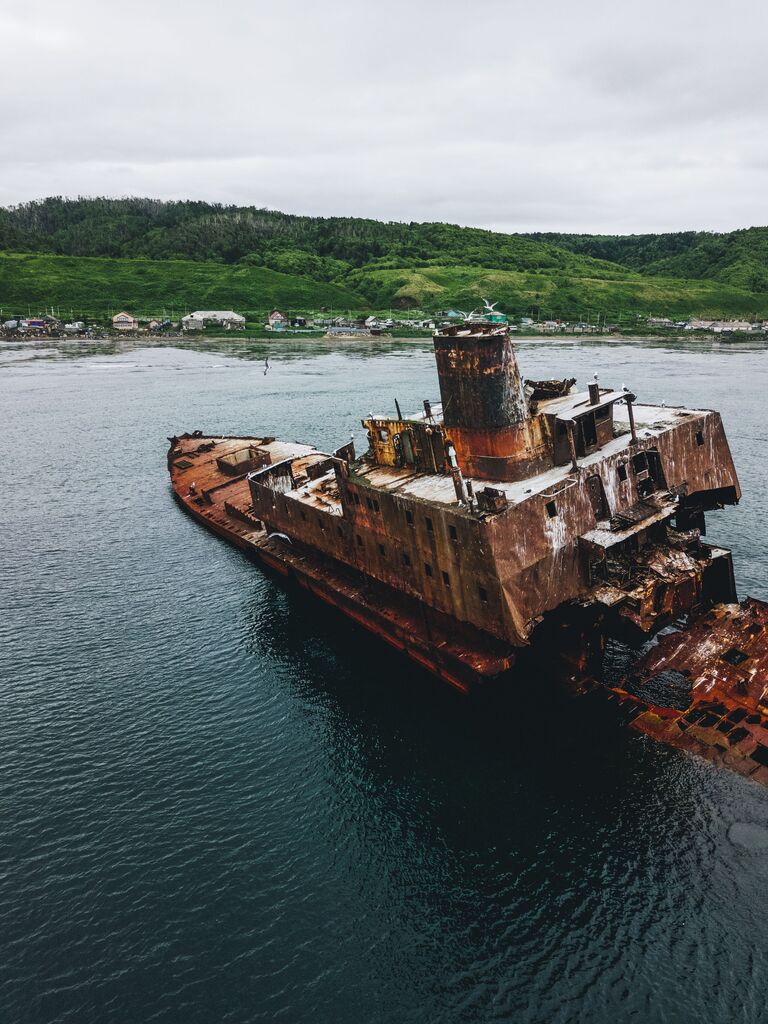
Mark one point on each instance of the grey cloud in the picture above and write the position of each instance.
(591, 116)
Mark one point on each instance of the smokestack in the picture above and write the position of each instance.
(594, 393)
(480, 383)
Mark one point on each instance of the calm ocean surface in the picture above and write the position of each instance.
(220, 803)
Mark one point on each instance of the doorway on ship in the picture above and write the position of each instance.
(597, 497)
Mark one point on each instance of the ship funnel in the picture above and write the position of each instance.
(480, 383)
(485, 410)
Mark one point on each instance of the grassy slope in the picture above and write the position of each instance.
(562, 294)
(739, 258)
(99, 284)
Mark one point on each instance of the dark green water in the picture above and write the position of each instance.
(219, 803)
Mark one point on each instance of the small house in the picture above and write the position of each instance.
(277, 321)
(124, 322)
(226, 318)
(32, 324)
(699, 325)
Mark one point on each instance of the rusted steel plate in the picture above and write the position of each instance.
(705, 689)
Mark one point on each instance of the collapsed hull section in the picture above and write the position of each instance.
(705, 689)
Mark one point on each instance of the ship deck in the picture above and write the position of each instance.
(651, 421)
(222, 502)
(704, 690)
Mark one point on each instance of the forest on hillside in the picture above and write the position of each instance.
(738, 258)
(363, 263)
(321, 247)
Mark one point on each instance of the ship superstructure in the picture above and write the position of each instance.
(502, 502)
(499, 507)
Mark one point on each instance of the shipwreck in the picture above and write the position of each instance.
(509, 516)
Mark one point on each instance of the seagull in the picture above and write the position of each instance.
(282, 536)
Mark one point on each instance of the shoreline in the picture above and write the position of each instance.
(180, 340)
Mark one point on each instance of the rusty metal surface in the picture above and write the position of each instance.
(705, 689)
(496, 561)
(458, 656)
(475, 525)
(480, 383)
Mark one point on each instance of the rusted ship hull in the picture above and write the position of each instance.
(513, 518)
(703, 690)
(221, 502)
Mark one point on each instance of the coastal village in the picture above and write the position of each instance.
(277, 321)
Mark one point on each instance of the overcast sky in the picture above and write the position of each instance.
(577, 115)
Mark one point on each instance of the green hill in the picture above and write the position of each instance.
(98, 284)
(321, 247)
(556, 294)
(97, 254)
(738, 258)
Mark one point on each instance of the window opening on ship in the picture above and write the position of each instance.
(588, 430)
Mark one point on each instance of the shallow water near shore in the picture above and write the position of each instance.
(220, 802)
